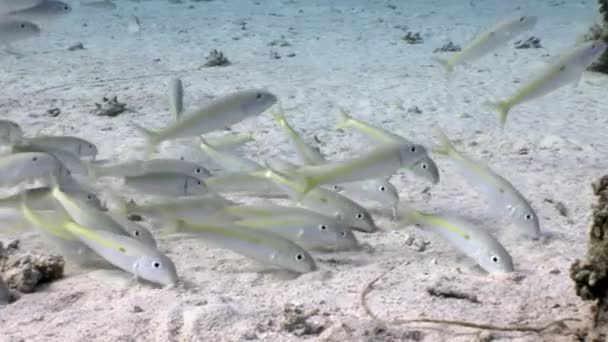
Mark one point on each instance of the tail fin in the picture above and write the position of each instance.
(279, 116)
(344, 118)
(445, 63)
(502, 108)
(446, 147)
(150, 137)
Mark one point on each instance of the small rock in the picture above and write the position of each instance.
(216, 58)
(77, 46)
(530, 43)
(296, 321)
(53, 112)
(448, 47)
(279, 42)
(109, 107)
(413, 38)
(137, 309)
(274, 55)
(414, 110)
(24, 271)
(551, 142)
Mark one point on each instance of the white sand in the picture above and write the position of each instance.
(347, 52)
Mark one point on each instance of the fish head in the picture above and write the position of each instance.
(15, 133)
(156, 268)
(57, 7)
(20, 29)
(87, 149)
(140, 233)
(427, 169)
(342, 237)
(384, 192)
(200, 172)
(592, 51)
(336, 188)
(257, 101)
(410, 153)
(495, 259)
(527, 221)
(195, 186)
(297, 260)
(358, 218)
(526, 22)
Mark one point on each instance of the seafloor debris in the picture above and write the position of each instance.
(216, 58)
(53, 112)
(297, 321)
(413, 38)
(600, 31)
(23, 271)
(274, 54)
(109, 106)
(530, 43)
(279, 42)
(448, 47)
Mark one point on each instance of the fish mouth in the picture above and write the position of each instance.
(365, 230)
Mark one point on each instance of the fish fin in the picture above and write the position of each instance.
(445, 63)
(150, 137)
(279, 116)
(446, 147)
(406, 214)
(344, 117)
(502, 109)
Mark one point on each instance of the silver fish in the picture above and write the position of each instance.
(69, 160)
(140, 167)
(74, 145)
(166, 184)
(13, 30)
(30, 166)
(10, 132)
(46, 10)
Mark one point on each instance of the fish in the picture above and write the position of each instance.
(133, 26)
(13, 30)
(380, 190)
(424, 168)
(189, 209)
(310, 230)
(568, 69)
(491, 39)
(501, 195)
(102, 4)
(91, 217)
(474, 242)
(219, 114)
(30, 166)
(128, 254)
(10, 132)
(176, 98)
(264, 247)
(7, 6)
(308, 155)
(72, 162)
(322, 200)
(46, 10)
(134, 168)
(42, 199)
(382, 161)
(166, 184)
(228, 160)
(241, 182)
(134, 229)
(74, 145)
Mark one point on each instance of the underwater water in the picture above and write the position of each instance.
(483, 231)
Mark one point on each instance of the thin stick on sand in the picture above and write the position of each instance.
(466, 324)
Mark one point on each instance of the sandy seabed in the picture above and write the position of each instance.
(347, 53)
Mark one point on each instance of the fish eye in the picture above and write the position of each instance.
(323, 227)
(343, 234)
(522, 18)
(413, 148)
(89, 196)
(382, 188)
(136, 233)
(258, 96)
(424, 166)
(22, 25)
(336, 188)
(198, 170)
(495, 259)
(359, 216)
(528, 217)
(299, 257)
(156, 264)
(90, 145)
(34, 158)
(198, 182)
(181, 158)
(67, 8)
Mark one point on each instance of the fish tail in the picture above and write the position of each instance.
(446, 147)
(445, 63)
(502, 108)
(279, 116)
(407, 214)
(344, 117)
(150, 137)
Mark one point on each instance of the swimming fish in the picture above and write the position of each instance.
(380, 190)
(128, 254)
(307, 154)
(323, 201)
(502, 196)
(7, 6)
(424, 168)
(176, 98)
(229, 141)
(267, 248)
(568, 69)
(69, 160)
(491, 39)
(42, 199)
(382, 161)
(133, 229)
(228, 160)
(219, 114)
(309, 229)
(476, 243)
(46, 10)
(241, 182)
(139, 167)
(10, 132)
(166, 184)
(189, 209)
(74, 145)
(29, 166)
(86, 215)
(12, 30)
